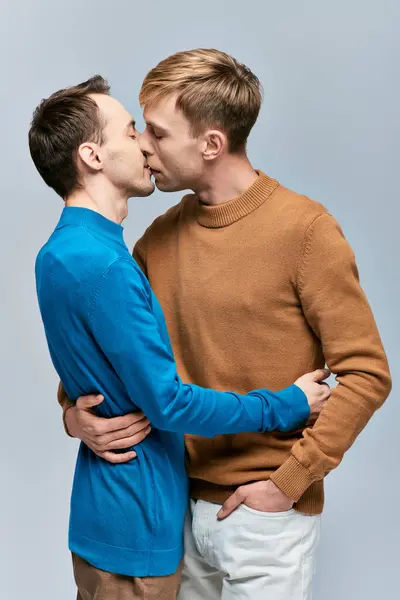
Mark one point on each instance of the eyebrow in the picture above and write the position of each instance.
(155, 126)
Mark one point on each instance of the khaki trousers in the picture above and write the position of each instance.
(94, 584)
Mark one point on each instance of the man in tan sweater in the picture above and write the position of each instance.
(248, 274)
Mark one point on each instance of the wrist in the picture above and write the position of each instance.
(277, 490)
(292, 478)
(69, 420)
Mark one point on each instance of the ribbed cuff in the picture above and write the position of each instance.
(292, 478)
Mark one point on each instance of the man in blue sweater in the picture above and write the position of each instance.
(106, 333)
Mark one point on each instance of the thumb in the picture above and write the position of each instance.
(86, 402)
(231, 504)
(320, 374)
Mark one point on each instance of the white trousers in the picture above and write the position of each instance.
(250, 555)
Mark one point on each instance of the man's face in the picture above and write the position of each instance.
(173, 155)
(123, 162)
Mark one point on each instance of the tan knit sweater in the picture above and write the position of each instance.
(256, 292)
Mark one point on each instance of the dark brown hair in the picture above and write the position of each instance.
(60, 124)
(213, 90)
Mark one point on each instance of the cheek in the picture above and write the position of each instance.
(135, 158)
(166, 152)
(183, 159)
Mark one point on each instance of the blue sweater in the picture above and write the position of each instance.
(106, 334)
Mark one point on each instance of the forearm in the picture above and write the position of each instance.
(65, 404)
(338, 312)
(206, 412)
(323, 446)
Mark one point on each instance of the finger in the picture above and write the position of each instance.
(231, 504)
(114, 458)
(94, 426)
(134, 417)
(326, 390)
(129, 441)
(320, 374)
(85, 402)
(132, 438)
(120, 434)
(115, 424)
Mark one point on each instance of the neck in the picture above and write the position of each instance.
(102, 198)
(226, 180)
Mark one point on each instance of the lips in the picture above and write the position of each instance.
(153, 171)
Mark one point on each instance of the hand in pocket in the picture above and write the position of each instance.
(263, 496)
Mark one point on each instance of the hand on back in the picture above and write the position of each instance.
(104, 436)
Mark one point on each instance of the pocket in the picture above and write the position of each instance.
(268, 515)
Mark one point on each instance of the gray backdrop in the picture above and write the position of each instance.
(329, 128)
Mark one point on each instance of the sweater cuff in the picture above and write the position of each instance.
(292, 478)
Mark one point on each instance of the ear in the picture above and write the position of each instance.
(215, 143)
(90, 154)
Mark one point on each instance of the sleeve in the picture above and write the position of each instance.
(337, 310)
(124, 326)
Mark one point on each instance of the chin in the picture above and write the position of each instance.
(169, 186)
(145, 190)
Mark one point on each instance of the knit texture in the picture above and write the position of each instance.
(256, 292)
(106, 333)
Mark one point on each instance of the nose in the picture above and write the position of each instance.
(144, 144)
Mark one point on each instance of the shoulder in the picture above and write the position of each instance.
(294, 215)
(319, 239)
(310, 218)
(119, 273)
(118, 284)
(300, 210)
(76, 256)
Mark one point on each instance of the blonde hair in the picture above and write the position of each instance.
(213, 90)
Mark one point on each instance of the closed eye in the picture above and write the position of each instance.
(153, 133)
(134, 134)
